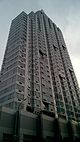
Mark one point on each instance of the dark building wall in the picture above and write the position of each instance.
(33, 126)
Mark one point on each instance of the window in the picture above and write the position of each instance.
(7, 137)
(29, 100)
(20, 96)
(55, 48)
(20, 79)
(37, 94)
(60, 110)
(46, 105)
(39, 24)
(49, 23)
(42, 77)
(41, 54)
(20, 88)
(55, 89)
(38, 103)
(70, 114)
(21, 71)
(63, 47)
(43, 85)
(28, 138)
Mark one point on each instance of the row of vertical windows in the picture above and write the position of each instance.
(71, 73)
(39, 24)
(49, 23)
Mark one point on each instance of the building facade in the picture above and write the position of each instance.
(37, 66)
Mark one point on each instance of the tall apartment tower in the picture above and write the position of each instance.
(37, 66)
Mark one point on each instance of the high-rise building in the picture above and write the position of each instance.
(37, 66)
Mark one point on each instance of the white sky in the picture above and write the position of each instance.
(65, 13)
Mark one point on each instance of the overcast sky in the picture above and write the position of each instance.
(65, 13)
